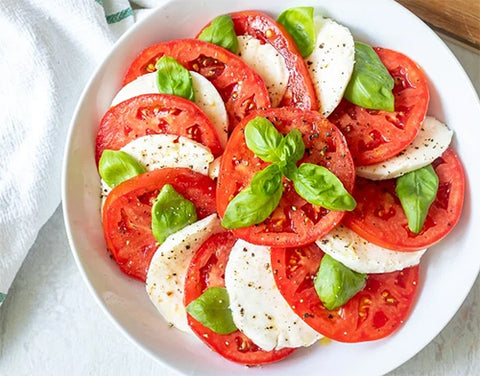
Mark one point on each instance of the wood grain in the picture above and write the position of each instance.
(458, 19)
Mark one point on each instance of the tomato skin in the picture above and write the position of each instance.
(374, 136)
(221, 67)
(374, 313)
(380, 219)
(153, 114)
(207, 269)
(127, 218)
(295, 222)
(300, 91)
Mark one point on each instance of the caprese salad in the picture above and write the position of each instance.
(274, 182)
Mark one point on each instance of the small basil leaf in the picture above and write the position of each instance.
(292, 147)
(173, 78)
(255, 203)
(116, 166)
(320, 187)
(335, 284)
(222, 33)
(267, 181)
(212, 310)
(170, 213)
(417, 190)
(371, 84)
(300, 25)
(263, 139)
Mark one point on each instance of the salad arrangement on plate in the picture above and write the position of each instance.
(274, 182)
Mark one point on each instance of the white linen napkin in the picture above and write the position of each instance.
(48, 50)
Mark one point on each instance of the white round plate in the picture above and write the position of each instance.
(447, 272)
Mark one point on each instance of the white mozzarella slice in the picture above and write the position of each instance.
(168, 269)
(360, 255)
(268, 63)
(258, 308)
(331, 63)
(429, 144)
(214, 169)
(210, 102)
(146, 84)
(206, 97)
(164, 150)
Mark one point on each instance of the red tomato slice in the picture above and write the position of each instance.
(207, 269)
(152, 114)
(373, 313)
(375, 136)
(241, 88)
(295, 222)
(127, 221)
(300, 91)
(379, 216)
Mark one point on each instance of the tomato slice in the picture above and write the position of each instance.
(379, 216)
(375, 136)
(127, 221)
(207, 269)
(300, 91)
(152, 114)
(295, 222)
(373, 313)
(241, 88)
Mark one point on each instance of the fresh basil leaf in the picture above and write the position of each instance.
(263, 139)
(222, 33)
(267, 181)
(318, 186)
(371, 84)
(173, 78)
(292, 147)
(255, 203)
(300, 25)
(212, 310)
(335, 284)
(116, 166)
(170, 213)
(417, 190)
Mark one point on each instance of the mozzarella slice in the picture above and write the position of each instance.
(206, 97)
(358, 254)
(164, 150)
(146, 84)
(331, 63)
(258, 308)
(168, 269)
(268, 63)
(214, 169)
(431, 141)
(210, 102)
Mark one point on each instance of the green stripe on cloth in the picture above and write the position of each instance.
(119, 16)
(100, 2)
(2, 297)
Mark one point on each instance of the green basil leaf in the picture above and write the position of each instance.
(116, 166)
(371, 84)
(255, 203)
(319, 186)
(300, 25)
(292, 147)
(222, 33)
(263, 139)
(173, 78)
(417, 190)
(212, 310)
(335, 284)
(170, 213)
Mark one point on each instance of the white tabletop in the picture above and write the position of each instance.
(50, 325)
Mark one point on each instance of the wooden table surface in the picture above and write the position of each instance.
(457, 19)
